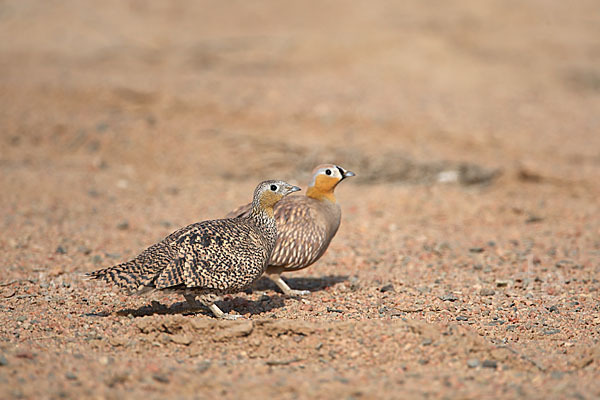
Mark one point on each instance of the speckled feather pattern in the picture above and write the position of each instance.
(210, 257)
(305, 228)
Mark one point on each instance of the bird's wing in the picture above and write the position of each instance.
(301, 234)
(241, 211)
(218, 254)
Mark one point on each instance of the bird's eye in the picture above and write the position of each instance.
(274, 188)
(328, 171)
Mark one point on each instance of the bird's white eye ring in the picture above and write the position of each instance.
(328, 171)
(274, 188)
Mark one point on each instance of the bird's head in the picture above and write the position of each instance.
(268, 193)
(324, 180)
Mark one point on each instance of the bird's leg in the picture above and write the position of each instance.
(275, 277)
(220, 314)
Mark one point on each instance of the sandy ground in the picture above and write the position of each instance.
(468, 260)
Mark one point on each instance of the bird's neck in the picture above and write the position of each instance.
(264, 219)
(317, 193)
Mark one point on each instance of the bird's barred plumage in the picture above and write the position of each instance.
(305, 227)
(207, 258)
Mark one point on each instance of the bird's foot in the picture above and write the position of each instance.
(231, 317)
(220, 314)
(288, 291)
(296, 293)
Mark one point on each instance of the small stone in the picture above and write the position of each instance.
(427, 342)
(123, 225)
(85, 250)
(203, 366)
(21, 318)
(3, 361)
(487, 292)
(448, 297)
(117, 341)
(112, 255)
(70, 376)
(462, 318)
(533, 219)
(61, 250)
(476, 249)
(160, 378)
(181, 339)
(501, 283)
(551, 331)
(102, 126)
(233, 329)
(473, 363)
(552, 309)
(490, 364)
(387, 288)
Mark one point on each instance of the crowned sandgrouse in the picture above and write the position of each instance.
(209, 258)
(305, 224)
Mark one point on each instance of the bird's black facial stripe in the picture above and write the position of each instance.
(341, 171)
(274, 188)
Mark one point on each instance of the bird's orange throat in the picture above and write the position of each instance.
(268, 200)
(323, 188)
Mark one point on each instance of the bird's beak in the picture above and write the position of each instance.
(293, 189)
(346, 174)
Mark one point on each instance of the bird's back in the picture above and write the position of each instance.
(305, 228)
(221, 255)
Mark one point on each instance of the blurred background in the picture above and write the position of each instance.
(130, 101)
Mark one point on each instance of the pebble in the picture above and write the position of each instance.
(3, 361)
(203, 366)
(462, 318)
(85, 250)
(61, 250)
(487, 292)
(473, 363)
(123, 225)
(533, 219)
(448, 297)
(160, 378)
(551, 331)
(387, 288)
(476, 249)
(552, 309)
(490, 364)
(70, 376)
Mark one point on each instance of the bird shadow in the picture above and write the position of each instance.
(242, 305)
(311, 284)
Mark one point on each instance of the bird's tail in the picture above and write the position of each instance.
(126, 276)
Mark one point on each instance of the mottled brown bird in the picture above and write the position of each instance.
(208, 258)
(305, 225)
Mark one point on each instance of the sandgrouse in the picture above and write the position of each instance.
(305, 225)
(209, 258)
